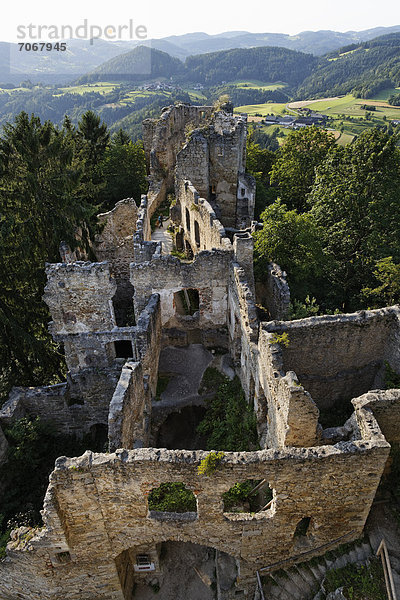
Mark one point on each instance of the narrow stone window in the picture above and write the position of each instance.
(187, 220)
(187, 302)
(197, 233)
(63, 557)
(123, 349)
(302, 527)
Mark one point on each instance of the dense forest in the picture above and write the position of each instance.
(53, 181)
(332, 219)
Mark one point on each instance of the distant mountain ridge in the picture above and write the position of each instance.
(82, 57)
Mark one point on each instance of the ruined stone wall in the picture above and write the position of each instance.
(193, 164)
(274, 293)
(142, 225)
(97, 528)
(292, 415)
(72, 408)
(166, 275)
(385, 406)
(201, 227)
(341, 356)
(115, 242)
(286, 414)
(213, 160)
(130, 410)
(164, 137)
(79, 296)
(83, 401)
(148, 341)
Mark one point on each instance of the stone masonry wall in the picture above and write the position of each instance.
(385, 406)
(100, 501)
(79, 297)
(164, 137)
(274, 293)
(115, 242)
(213, 159)
(165, 275)
(292, 418)
(341, 356)
(130, 410)
(197, 210)
(83, 401)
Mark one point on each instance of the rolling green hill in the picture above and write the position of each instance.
(139, 64)
(266, 64)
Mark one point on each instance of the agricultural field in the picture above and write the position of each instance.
(348, 116)
(262, 109)
(101, 87)
(258, 85)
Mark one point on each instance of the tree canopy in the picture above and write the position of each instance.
(53, 181)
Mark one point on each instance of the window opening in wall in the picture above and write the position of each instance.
(248, 496)
(187, 220)
(123, 305)
(63, 557)
(123, 349)
(99, 437)
(187, 302)
(243, 192)
(172, 497)
(197, 234)
(302, 527)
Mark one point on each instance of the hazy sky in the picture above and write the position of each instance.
(163, 17)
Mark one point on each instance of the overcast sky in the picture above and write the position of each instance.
(163, 17)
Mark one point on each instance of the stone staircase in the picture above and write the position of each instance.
(303, 581)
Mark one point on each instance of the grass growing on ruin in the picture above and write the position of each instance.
(360, 582)
(210, 463)
(229, 423)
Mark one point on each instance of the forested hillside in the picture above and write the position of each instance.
(137, 65)
(359, 69)
(266, 64)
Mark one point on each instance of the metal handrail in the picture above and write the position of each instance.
(387, 569)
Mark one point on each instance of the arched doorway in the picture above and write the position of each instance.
(178, 570)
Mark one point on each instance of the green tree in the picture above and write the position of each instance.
(91, 140)
(292, 240)
(259, 163)
(387, 293)
(294, 171)
(124, 171)
(39, 207)
(356, 203)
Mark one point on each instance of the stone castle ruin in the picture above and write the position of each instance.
(122, 322)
